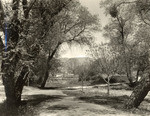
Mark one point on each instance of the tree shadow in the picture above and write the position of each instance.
(28, 105)
(105, 100)
(116, 102)
(49, 88)
(58, 107)
(37, 99)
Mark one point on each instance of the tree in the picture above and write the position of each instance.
(15, 50)
(73, 24)
(120, 30)
(141, 11)
(142, 89)
(107, 62)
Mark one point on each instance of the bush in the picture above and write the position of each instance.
(100, 80)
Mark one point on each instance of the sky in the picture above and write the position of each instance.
(76, 50)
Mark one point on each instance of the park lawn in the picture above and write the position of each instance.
(116, 99)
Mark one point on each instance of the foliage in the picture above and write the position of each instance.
(72, 24)
(18, 23)
(130, 25)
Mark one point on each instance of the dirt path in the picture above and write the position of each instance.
(61, 104)
(69, 106)
(56, 103)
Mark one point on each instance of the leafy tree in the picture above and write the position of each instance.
(107, 62)
(73, 24)
(20, 48)
(120, 30)
(140, 11)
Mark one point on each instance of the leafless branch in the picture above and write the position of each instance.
(27, 9)
(144, 19)
(126, 3)
(67, 30)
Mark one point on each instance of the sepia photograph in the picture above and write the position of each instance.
(74, 57)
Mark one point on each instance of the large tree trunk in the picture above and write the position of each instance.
(9, 62)
(20, 83)
(123, 50)
(139, 93)
(129, 75)
(50, 57)
(45, 78)
(46, 74)
(8, 70)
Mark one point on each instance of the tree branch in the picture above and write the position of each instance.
(67, 30)
(1, 45)
(15, 8)
(1, 16)
(125, 3)
(73, 39)
(27, 9)
(50, 56)
(143, 19)
(59, 43)
(52, 15)
(59, 8)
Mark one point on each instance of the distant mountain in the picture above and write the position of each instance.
(78, 60)
(71, 64)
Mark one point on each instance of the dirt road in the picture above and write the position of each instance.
(56, 103)
(61, 104)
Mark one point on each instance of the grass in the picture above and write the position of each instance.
(116, 102)
(112, 101)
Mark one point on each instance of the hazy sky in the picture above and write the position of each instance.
(94, 7)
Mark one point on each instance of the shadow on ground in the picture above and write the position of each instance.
(49, 88)
(112, 101)
(28, 105)
(37, 99)
(58, 107)
(116, 102)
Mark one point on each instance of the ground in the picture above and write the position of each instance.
(73, 102)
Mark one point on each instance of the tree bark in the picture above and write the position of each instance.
(50, 57)
(45, 78)
(139, 93)
(129, 76)
(1, 46)
(137, 75)
(8, 69)
(20, 83)
(108, 86)
(123, 50)
(128, 72)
